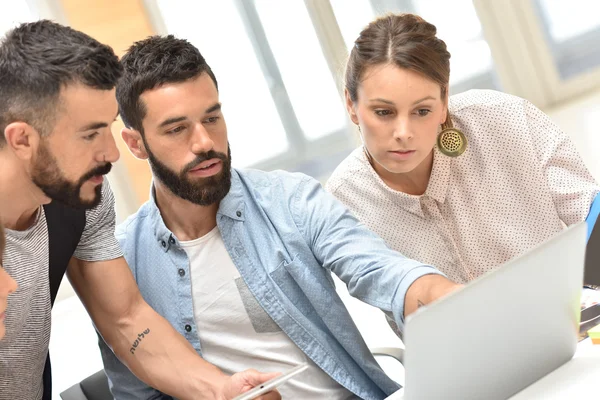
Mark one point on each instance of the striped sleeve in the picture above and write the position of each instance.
(98, 242)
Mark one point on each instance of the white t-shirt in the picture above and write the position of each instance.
(236, 333)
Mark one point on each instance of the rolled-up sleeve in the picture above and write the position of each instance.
(372, 271)
(98, 242)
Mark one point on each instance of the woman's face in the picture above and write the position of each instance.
(7, 286)
(399, 112)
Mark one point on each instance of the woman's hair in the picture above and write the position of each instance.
(404, 40)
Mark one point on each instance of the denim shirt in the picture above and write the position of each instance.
(285, 234)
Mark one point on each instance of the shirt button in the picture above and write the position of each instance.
(238, 213)
(163, 243)
(172, 240)
(181, 272)
(188, 328)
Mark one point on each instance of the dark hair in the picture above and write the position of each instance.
(40, 58)
(404, 40)
(150, 63)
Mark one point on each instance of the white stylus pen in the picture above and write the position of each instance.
(271, 384)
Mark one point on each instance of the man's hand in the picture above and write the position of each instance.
(589, 297)
(243, 381)
(425, 290)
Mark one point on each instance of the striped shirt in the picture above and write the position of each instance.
(519, 182)
(24, 348)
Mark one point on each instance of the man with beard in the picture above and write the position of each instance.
(240, 261)
(57, 105)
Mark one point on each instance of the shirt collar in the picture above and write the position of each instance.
(436, 188)
(440, 176)
(233, 204)
(161, 232)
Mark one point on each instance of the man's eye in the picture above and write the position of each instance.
(91, 136)
(176, 129)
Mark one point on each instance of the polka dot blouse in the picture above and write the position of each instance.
(519, 182)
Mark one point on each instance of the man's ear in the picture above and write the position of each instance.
(133, 140)
(23, 139)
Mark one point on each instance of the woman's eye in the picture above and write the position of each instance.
(423, 112)
(383, 113)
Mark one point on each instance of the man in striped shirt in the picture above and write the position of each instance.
(57, 105)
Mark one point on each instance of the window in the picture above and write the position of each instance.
(308, 81)
(280, 63)
(217, 30)
(572, 31)
(278, 91)
(546, 50)
(471, 62)
(15, 13)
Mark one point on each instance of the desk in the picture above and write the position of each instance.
(577, 379)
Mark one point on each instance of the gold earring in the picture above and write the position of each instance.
(451, 141)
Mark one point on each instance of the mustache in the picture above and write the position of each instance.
(204, 157)
(100, 170)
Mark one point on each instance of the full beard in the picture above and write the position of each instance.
(203, 192)
(49, 178)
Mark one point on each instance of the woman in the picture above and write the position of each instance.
(464, 183)
(7, 285)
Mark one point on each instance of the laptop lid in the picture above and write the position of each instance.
(503, 331)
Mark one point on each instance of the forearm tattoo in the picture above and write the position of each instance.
(137, 341)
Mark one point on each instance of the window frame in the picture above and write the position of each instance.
(314, 157)
(523, 56)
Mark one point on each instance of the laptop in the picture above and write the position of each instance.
(503, 331)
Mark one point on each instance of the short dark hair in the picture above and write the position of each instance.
(37, 60)
(150, 63)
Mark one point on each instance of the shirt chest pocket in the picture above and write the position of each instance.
(261, 321)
